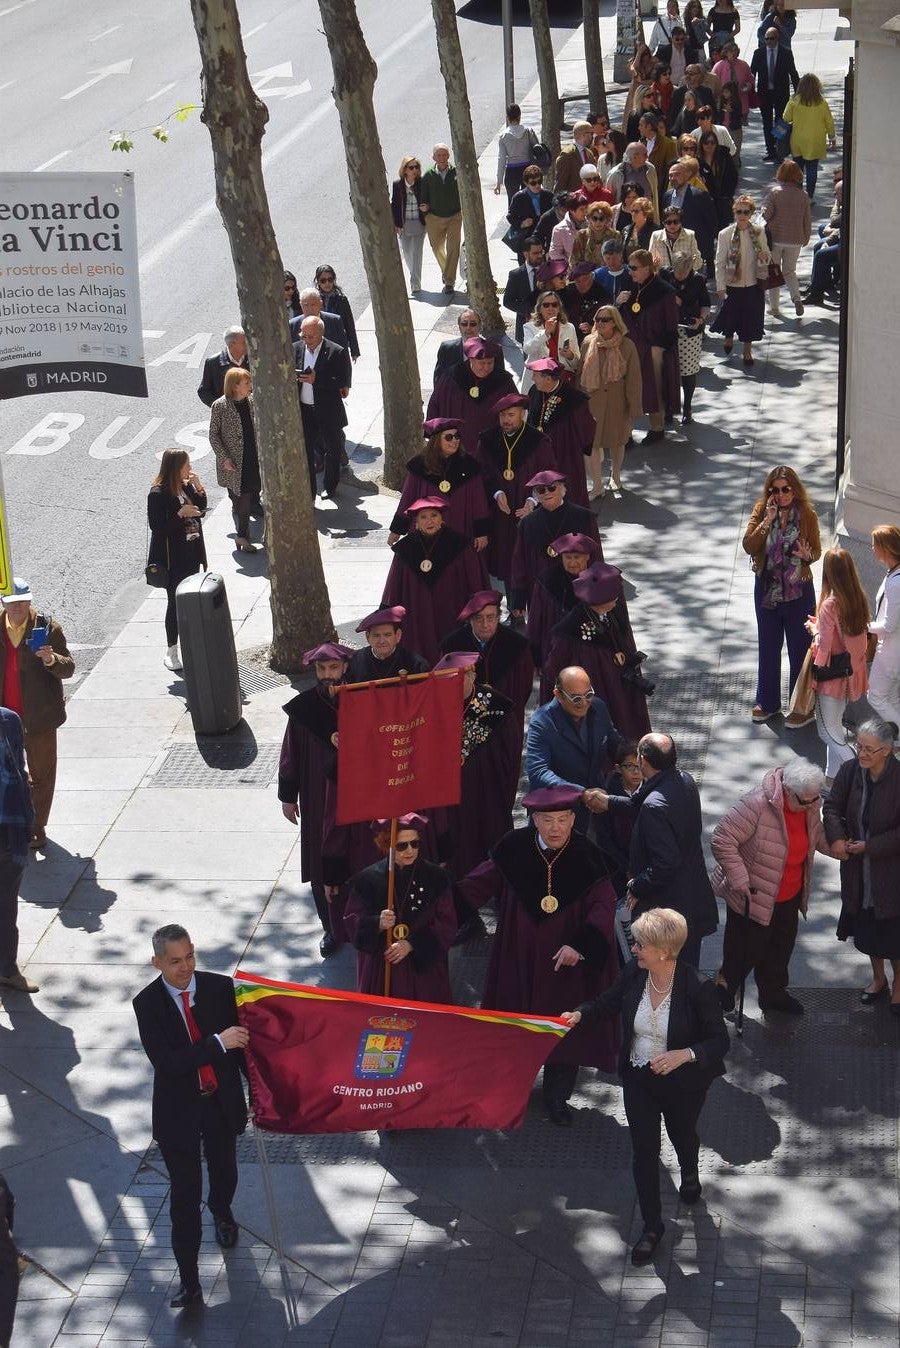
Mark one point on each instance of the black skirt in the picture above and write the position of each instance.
(742, 313)
(871, 935)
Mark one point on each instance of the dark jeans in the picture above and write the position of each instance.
(812, 173)
(650, 1099)
(774, 627)
(329, 441)
(826, 267)
(184, 1163)
(11, 872)
(175, 579)
(766, 950)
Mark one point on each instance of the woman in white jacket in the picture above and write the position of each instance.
(884, 675)
(549, 333)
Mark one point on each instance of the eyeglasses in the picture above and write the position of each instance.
(544, 491)
(549, 305)
(742, 210)
(604, 318)
(803, 800)
(578, 699)
(406, 846)
(867, 749)
(468, 322)
(783, 491)
(450, 435)
(672, 220)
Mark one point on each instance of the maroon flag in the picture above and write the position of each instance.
(399, 747)
(322, 1061)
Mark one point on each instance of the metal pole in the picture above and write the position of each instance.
(276, 1228)
(509, 80)
(389, 934)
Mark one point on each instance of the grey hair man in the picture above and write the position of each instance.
(440, 204)
(450, 352)
(233, 353)
(635, 168)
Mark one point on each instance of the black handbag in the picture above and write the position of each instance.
(156, 576)
(515, 237)
(840, 666)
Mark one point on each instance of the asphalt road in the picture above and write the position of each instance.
(77, 466)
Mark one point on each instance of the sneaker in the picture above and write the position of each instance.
(798, 719)
(758, 715)
(18, 982)
(172, 660)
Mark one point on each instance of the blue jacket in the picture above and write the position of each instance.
(557, 755)
(16, 809)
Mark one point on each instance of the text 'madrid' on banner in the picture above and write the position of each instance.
(70, 313)
(322, 1061)
(399, 747)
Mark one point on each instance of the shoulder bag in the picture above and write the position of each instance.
(840, 666)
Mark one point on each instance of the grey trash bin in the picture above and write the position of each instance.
(208, 653)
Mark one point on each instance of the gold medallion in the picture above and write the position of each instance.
(474, 392)
(426, 565)
(508, 474)
(549, 903)
(635, 308)
(334, 739)
(401, 931)
(444, 485)
(551, 550)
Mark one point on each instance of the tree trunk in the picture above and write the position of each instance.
(480, 283)
(593, 56)
(301, 613)
(546, 64)
(354, 83)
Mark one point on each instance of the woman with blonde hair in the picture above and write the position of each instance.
(409, 220)
(782, 539)
(884, 676)
(549, 333)
(811, 126)
(639, 233)
(839, 653)
(232, 437)
(611, 377)
(589, 242)
(742, 261)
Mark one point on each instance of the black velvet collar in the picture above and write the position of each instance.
(456, 470)
(497, 658)
(556, 580)
(498, 378)
(315, 713)
(440, 550)
(403, 661)
(567, 402)
(412, 892)
(579, 866)
(494, 445)
(541, 527)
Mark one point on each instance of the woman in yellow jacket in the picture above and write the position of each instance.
(812, 124)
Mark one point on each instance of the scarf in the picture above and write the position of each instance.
(784, 568)
(603, 362)
(733, 264)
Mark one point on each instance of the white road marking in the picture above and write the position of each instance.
(159, 93)
(55, 160)
(118, 68)
(258, 29)
(12, 8)
(106, 32)
(7, 85)
(176, 238)
(262, 81)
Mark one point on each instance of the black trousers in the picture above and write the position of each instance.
(175, 579)
(322, 907)
(11, 872)
(328, 440)
(559, 1081)
(650, 1099)
(184, 1161)
(766, 950)
(9, 1282)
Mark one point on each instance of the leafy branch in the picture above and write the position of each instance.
(124, 140)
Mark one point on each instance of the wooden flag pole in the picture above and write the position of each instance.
(389, 933)
(400, 678)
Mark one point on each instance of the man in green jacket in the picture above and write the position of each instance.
(439, 202)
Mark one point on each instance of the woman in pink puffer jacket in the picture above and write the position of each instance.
(765, 848)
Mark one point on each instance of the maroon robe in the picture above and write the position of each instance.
(452, 397)
(484, 813)
(532, 454)
(656, 325)
(433, 598)
(520, 974)
(308, 763)
(533, 544)
(551, 599)
(468, 511)
(423, 900)
(580, 638)
(565, 416)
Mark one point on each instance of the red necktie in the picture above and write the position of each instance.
(208, 1079)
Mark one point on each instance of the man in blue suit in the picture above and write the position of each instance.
(571, 741)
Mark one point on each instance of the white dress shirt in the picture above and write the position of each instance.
(309, 363)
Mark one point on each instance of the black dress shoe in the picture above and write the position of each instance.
(653, 437)
(690, 1188)
(894, 1009)
(726, 997)
(642, 1253)
(327, 946)
(867, 998)
(787, 1005)
(226, 1232)
(558, 1112)
(187, 1296)
(686, 419)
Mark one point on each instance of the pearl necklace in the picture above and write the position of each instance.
(661, 992)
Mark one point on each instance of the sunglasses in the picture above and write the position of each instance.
(406, 847)
(330, 279)
(549, 305)
(534, 179)
(742, 210)
(578, 699)
(450, 435)
(544, 491)
(605, 318)
(782, 491)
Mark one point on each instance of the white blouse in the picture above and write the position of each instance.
(651, 1029)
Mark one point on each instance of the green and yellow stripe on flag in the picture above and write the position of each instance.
(325, 1061)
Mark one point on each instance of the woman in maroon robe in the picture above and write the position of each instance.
(444, 469)
(596, 635)
(650, 311)
(555, 515)
(554, 939)
(415, 933)
(562, 412)
(553, 596)
(434, 571)
(510, 453)
(470, 392)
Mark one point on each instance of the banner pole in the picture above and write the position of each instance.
(389, 934)
(276, 1227)
(399, 678)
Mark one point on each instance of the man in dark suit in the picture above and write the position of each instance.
(234, 352)
(188, 1027)
(571, 741)
(450, 352)
(693, 80)
(521, 285)
(311, 307)
(678, 54)
(323, 377)
(698, 211)
(776, 74)
(665, 858)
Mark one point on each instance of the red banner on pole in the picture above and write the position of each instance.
(399, 747)
(322, 1061)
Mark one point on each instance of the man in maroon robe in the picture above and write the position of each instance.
(510, 453)
(562, 412)
(385, 656)
(555, 515)
(597, 636)
(554, 939)
(553, 596)
(308, 763)
(472, 389)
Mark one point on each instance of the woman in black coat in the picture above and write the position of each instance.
(334, 301)
(718, 174)
(674, 1041)
(530, 202)
(176, 504)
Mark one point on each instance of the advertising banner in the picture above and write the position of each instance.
(322, 1061)
(70, 313)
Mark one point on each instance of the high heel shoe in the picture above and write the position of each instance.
(867, 997)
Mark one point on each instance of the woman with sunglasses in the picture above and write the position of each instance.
(838, 631)
(445, 469)
(639, 232)
(742, 261)
(611, 377)
(650, 311)
(409, 220)
(782, 539)
(291, 295)
(334, 301)
(413, 934)
(527, 206)
(862, 822)
(718, 174)
(765, 848)
(549, 333)
(552, 596)
(589, 242)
